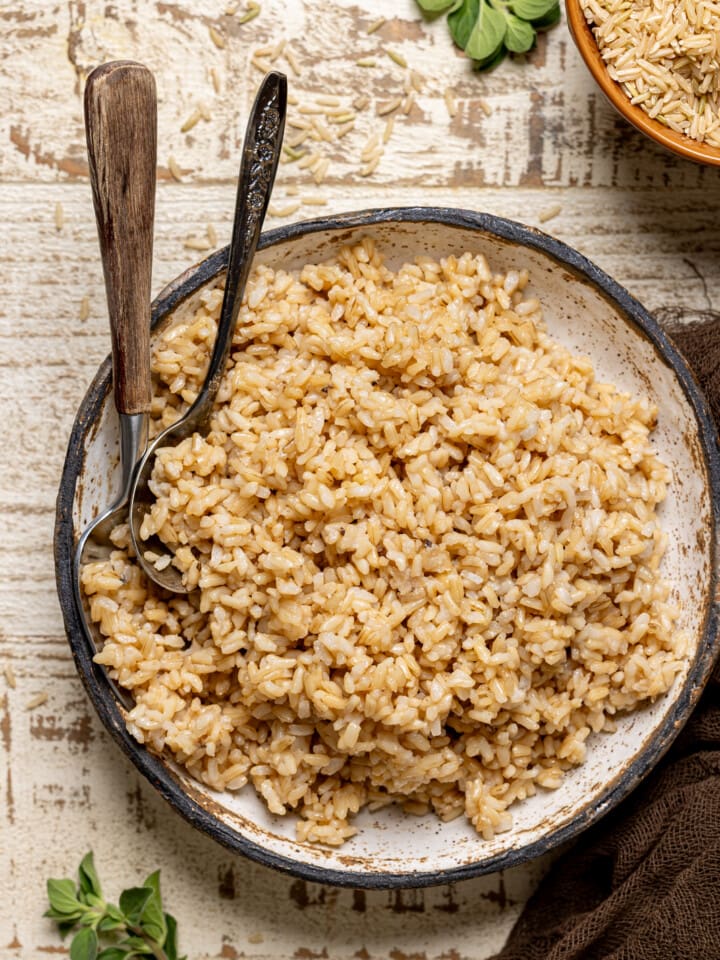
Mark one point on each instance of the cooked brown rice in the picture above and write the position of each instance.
(422, 543)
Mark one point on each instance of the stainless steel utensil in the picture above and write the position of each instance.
(261, 152)
(121, 131)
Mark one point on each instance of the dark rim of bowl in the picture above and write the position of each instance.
(157, 773)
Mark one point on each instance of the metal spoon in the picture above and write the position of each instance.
(261, 152)
(121, 132)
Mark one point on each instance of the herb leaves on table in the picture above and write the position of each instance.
(137, 927)
(488, 29)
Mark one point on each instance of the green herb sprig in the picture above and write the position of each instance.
(137, 927)
(488, 29)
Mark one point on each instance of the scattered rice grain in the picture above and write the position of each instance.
(277, 50)
(290, 155)
(217, 38)
(389, 107)
(450, 102)
(320, 171)
(194, 118)
(252, 11)
(345, 117)
(417, 81)
(286, 211)
(369, 168)
(37, 701)
(175, 171)
(321, 130)
(196, 243)
(310, 160)
(262, 65)
(292, 60)
(396, 57)
(549, 212)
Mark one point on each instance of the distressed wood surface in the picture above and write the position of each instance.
(548, 144)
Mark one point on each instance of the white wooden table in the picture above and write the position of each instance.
(548, 144)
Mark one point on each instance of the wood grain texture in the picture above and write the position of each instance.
(121, 132)
(549, 141)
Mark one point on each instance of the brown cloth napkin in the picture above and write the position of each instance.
(644, 884)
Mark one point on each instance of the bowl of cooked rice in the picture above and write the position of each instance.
(450, 545)
(658, 63)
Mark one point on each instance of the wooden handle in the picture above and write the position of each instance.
(121, 131)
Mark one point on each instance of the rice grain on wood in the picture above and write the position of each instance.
(421, 541)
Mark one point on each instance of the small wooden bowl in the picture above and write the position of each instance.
(678, 143)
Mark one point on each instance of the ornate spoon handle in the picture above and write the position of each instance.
(261, 153)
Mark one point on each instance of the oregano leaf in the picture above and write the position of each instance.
(492, 61)
(136, 928)
(438, 6)
(487, 29)
(153, 882)
(519, 35)
(89, 881)
(132, 902)
(62, 895)
(170, 944)
(462, 20)
(531, 10)
(487, 36)
(152, 919)
(107, 924)
(84, 945)
(65, 927)
(549, 20)
(139, 946)
(64, 917)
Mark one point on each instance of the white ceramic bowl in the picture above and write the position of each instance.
(592, 315)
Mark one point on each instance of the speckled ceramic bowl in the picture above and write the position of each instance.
(591, 314)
